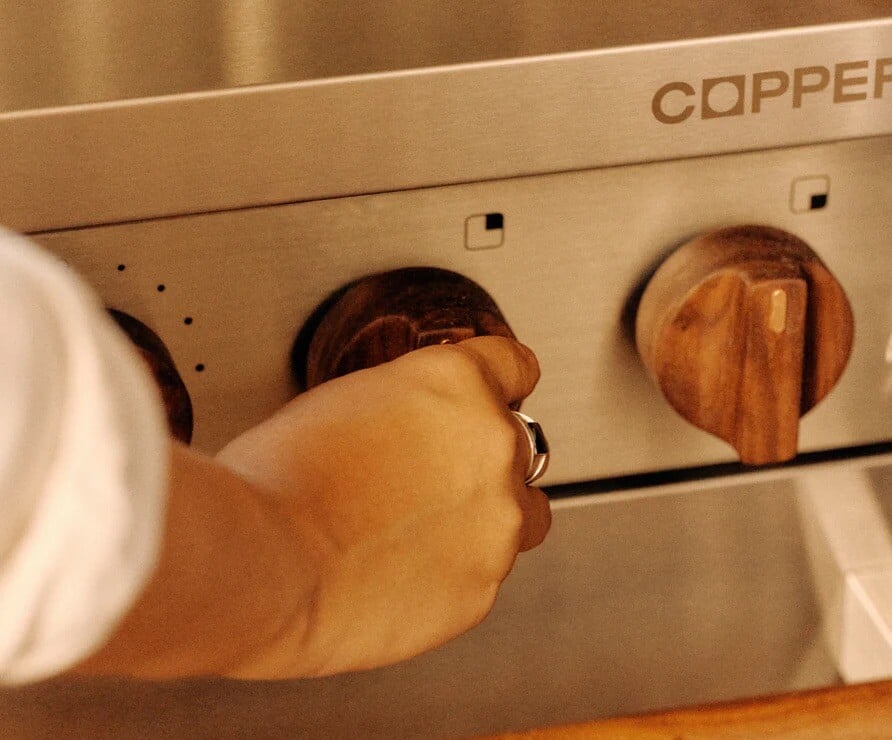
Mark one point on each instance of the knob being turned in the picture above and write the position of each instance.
(744, 330)
(177, 403)
(381, 317)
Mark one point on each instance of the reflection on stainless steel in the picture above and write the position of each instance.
(643, 601)
(80, 51)
(254, 204)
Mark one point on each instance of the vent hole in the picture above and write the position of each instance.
(121, 268)
(188, 321)
(161, 288)
(199, 368)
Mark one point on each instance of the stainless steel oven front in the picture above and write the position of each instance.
(252, 158)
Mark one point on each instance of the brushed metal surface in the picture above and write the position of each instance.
(84, 51)
(636, 602)
(323, 138)
(650, 599)
(577, 247)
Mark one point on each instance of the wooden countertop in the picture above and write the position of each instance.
(851, 712)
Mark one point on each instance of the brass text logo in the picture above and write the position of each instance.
(720, 97)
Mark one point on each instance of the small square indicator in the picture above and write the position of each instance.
(484, 231)
(809, 193)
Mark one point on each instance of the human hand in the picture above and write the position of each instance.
(405, 483)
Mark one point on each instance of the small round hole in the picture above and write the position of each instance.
(121, 268)
(162, 288)
(199, 368)
(188, 321)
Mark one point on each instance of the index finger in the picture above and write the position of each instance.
(509, 367)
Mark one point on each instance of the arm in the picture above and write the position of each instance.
(235, 573)
(384, 510)
(107, 526)
(370, 519)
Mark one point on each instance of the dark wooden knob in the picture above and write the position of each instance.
(173, 391)
(381, 317)
(744, 330)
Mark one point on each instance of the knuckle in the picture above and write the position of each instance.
(507, 526)
(484, 604)
(460, 366)
(477, 602)
(512, 524)
(535, 368)
(447, 368)
(497, 547)
(504, 439)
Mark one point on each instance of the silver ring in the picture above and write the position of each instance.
(538, 446)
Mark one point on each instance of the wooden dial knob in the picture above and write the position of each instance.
(381, 317)
(744, 330)
(176, 399)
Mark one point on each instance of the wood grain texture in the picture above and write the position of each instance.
(744, 330)
(861, 712)
(177, 403)
(383, 316)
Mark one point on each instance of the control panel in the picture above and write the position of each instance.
(565, 257)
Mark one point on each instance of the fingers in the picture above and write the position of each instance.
(511, 371)
(509, 367)
(536, 517)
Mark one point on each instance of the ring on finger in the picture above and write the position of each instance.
(537, 444)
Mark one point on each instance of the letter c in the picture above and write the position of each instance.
(657, 104)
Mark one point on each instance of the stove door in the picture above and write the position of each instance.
(638, 601)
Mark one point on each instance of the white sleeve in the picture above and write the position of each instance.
(83, 467)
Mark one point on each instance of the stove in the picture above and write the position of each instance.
(217, 172)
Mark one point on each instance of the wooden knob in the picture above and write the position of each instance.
(176, 399)
(744, 330)
(383, 316)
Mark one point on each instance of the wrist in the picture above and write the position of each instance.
(291, 644)
(233, 578)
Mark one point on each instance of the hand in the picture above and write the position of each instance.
(409, 479)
